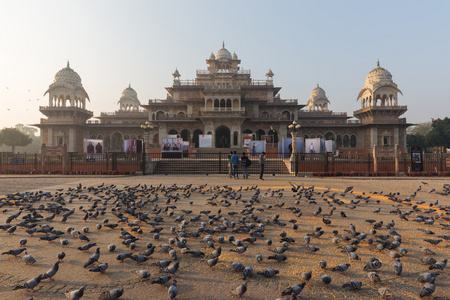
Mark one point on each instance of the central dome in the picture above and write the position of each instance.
(68, 75)
(318, 93)
(129, 93)
(223, 54)
(378, 74)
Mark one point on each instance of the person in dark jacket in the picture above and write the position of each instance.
(262, 159)
(245, 163)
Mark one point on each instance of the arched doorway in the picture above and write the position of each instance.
(195, 141)
(274, 134)
(222, 137)
(186, 135)
(259, 134)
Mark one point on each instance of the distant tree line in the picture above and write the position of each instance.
(20, 138)
(429, 134)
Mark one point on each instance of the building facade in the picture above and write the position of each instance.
(225, 102)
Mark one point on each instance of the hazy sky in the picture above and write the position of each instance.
(334, 43)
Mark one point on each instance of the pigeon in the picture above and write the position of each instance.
(111, 247)
(427, 277)
(100, 268)
(76, 294)
(212, 262)
(123, 256)
(51, 272)
(306, 276)
(240, 290)
(323, 264)
(269, 272)
(14, 252)
(278, 257)
(86, 247)
(240, 250)
(30, 284)
(172, 269)
(161, 280)
(439, 265)
(237, 266)
(142, 274)
(294, 289)
(374, 277)
(340, 268)
(162, 263)
(111, 295)
(94, 258)
(372, 265)
(326, 279)
(385, 293)
(248, 272)
(28, 259)
(173, 290)
(61, 256)
(427, 289)
(398, 267)
(352, 285)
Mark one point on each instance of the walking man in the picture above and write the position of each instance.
(235, 164)
(262, 159)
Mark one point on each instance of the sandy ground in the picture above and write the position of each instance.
(195, 279)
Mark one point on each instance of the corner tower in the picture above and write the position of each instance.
(380, 112)
(66, 111)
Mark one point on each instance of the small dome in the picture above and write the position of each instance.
(269, 73)
(317, 93)
(223, 54)
(212, 56)
(68, 75)
(378, 74)
(234, 56)
(129, 93)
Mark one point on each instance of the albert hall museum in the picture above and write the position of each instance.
(224, 101)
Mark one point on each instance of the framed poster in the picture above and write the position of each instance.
(246, 139)
(257, 147)
(93, 146)
(205, 140)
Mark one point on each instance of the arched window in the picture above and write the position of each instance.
(247, 131)
(107, 142)
(228, 102)
(329, 136)
(285, 115)
(353, 141)
(195, 138)
(222, 102)
(186, 135)
(181, 115)
(235, 138)
(160, 115)
(259, 134)
(265, 115)
(338, 141)
(216, 103)
(173, 132)
(346, 141)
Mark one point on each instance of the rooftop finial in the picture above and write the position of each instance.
(378, 62)
(68, 65)
(317, 85)
(223, 45)
(129, 85)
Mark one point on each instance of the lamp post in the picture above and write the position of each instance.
(294, 128)
(146, 128)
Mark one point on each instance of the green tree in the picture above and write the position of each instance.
(14, 137)
(419, 129)
(439, 134)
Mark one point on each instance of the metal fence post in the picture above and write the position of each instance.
(296, 164)
(220, 162)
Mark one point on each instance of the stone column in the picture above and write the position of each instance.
(396, 160)
(375, 165)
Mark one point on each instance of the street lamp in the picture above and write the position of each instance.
(146, 128)
(294, 128)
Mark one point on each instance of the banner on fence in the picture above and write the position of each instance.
(286, 146)
(171, 145)
(257, 147)
(132, 146)
(93, 146)
(315, 145)
(416, 159)
(205, 140)
(246, 139)
(330, 146)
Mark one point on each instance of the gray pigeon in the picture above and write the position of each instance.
(93, 259)
(248, 272)
(100, 268)
(372, 265)
(111, 295)
(172, 269)
(259, 257)
(52, 272)
(28, 259)
(326, 279)
(352, 285)
(427, 290)
(30, 284)
(173, 290)
(269, 272)
(439, 265)
(240, 290)
(162, 263)
(237, 266)
(340, 268)
(374, 277)
(142, 274)
(161, 280)
(294, 289)
(76, 294)
(398, 267)
(212, 262)
(427, 277)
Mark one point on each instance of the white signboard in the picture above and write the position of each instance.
(205, 140)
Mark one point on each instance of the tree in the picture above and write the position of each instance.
(14, 137)
(416, 135)
(419, 129)
(439, 134)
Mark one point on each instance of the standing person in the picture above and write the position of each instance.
(245, 163)
(230, 166)
(235, 165)
(262, 159)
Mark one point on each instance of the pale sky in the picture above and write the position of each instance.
(113, 43)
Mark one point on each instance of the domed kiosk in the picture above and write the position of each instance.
(129, 100)
(318, 100)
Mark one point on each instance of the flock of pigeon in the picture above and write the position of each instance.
(217, 225)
